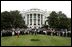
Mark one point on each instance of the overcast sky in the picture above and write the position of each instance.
(64, 6)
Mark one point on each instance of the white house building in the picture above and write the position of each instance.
(35, 17)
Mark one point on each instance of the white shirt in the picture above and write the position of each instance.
(1, 34)
(35, 29)
(13, 33)
(44, 31)
(18, 31)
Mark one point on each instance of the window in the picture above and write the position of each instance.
(38, 16)
(38, 22)
(34, 16)
(30, 24)
(30, 15)
(41, 18)
(27, 15)
(27, 19)
(30, 21)
(24, 17)
(34, 21)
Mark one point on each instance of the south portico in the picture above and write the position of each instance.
(35, 18)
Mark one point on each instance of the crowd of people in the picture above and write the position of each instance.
(35, 31)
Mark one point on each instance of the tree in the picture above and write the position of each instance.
(12, 19)
(53, 20)
(59, 20)
(64, 22)
(17, 20)
(61, 15)
(5, 22)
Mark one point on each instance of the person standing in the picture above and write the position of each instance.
(35, 32)
(13, 31)
(32, 32)
(18, 31)
(1, 33)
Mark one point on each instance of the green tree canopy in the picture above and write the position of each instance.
(12, 19)
(59, 20)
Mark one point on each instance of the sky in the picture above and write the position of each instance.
(64, 6)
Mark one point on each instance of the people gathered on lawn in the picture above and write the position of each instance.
(35, 31)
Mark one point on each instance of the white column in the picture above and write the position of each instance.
(29, 20)
(32, 20)
(36, 19)
(44, 19)
(40, 20)
(26, 19)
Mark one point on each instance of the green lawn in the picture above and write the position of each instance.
(30, 40)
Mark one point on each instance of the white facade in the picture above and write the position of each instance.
(35, 17)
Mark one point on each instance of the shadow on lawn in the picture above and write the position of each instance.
(35, 39)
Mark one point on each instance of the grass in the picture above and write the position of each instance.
(35, 40)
